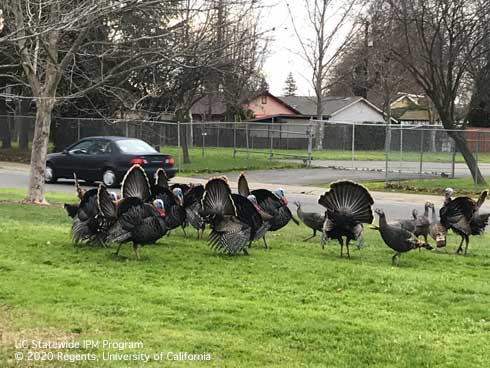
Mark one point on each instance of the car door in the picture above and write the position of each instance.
(97, 159)
(74, 159)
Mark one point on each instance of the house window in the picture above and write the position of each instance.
(264, 99)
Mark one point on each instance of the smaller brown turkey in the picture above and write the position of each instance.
(312, 220)
(398, 239)
(437, 231)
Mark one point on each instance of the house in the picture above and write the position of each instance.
(292, 127)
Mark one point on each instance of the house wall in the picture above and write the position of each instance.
(359, 112)
(270, 107)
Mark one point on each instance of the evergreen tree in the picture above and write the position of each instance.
(290, 88)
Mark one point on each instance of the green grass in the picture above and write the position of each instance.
(427, 186)
(336, 155)
(221, 160)
(294, 305)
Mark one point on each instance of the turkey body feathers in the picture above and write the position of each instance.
(269, 203)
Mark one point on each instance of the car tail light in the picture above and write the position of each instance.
(138, 161)
(170, 160)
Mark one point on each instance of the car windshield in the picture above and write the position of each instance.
(134, 146)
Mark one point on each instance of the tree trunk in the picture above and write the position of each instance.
(185, 145)
(40, 142)
(462, 147)
(320, 125)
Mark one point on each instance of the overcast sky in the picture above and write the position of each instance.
(284, 48)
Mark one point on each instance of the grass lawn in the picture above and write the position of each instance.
(461, 186)
(336, 155)
(221, 160)
(294, 305)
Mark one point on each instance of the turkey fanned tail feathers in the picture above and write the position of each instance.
(233, 218)
(136, 184)
(243, 188)
(349, 199)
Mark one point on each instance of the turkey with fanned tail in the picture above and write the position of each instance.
(348, 206)
(193, 208)
(133, 220)
(233, 218)
(273, 203)
(463, 216)
(87, 223)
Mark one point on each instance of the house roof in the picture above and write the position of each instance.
(415, 115)
(306, 105)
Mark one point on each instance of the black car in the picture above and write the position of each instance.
(106, 159)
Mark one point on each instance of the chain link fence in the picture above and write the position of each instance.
(394, 151)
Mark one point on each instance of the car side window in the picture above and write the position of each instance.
(81, 148)
(100, 147)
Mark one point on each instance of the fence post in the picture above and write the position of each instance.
(477, 154)
(246, 139)
(353, 144)
(179, 161)
(234, 140)
(78, 129)
(421, 152)
(271, 133)
(400, 159)
(453, 163)
(310, 141)
(203, 133)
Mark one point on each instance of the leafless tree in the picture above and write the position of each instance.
(327, 19)
(440, 39)
(50, 37)
(69, 49)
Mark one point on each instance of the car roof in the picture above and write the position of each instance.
(109, 137)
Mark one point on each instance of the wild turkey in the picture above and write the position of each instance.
(87, 223)
(422, 222)
(398, 239)
(173, 200)
(266, 221)
(193, 207)
(133, 219)
(462, 215)
(437, 231)
(313, 220)
(233, 218)
(272, 203)
(348, 206)
(406, 224)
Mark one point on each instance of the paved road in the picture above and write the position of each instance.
(293, 181)
(407, 169)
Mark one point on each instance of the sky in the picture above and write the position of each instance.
(284, 48)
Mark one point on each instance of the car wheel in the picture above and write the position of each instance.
(50, 175)
(109, 178)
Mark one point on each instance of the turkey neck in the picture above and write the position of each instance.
(382, 221)
(426, 212)
(434, 217)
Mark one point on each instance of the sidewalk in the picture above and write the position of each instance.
(14, 166)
